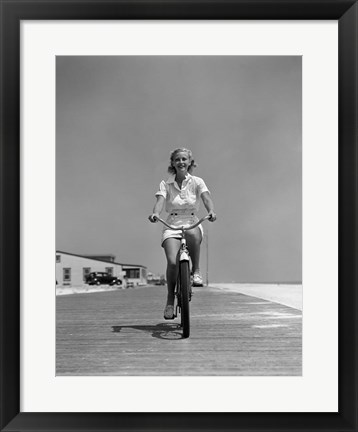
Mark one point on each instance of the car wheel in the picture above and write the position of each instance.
(119, 282)
(98, 283)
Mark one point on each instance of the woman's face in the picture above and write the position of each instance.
(181, 162)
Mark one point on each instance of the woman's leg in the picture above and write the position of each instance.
(171, 247)
(193, 240)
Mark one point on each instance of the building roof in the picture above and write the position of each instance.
(134, 265)
(95, 259)
(101, 255)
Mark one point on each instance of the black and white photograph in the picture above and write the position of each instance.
(192, 167)
(178, 215)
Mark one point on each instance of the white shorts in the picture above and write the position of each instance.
(179, 219)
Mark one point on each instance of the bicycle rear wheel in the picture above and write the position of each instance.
(184, 292)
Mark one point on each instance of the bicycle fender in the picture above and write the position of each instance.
(184, 256)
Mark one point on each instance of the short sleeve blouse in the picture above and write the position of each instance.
(186, 198)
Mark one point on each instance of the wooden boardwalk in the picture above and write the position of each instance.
(123, 333)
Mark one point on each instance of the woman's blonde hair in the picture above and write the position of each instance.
(192, 165)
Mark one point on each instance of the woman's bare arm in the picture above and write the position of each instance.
(209, 205)
(158, 207)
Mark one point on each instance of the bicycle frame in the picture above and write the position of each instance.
(183, 251)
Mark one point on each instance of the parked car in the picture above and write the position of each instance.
(102, 278)
(160, 282)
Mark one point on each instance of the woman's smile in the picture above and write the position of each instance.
(181, 162)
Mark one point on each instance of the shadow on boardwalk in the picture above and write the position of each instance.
(159, 331)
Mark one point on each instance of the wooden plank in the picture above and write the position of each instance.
(123, 333)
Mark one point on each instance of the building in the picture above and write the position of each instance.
(107, 257)
(135, 274)
(72, 269)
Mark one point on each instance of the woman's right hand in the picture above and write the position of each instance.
(153, 217)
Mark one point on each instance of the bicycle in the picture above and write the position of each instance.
(183, 288)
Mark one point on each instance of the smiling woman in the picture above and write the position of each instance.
(181, 194)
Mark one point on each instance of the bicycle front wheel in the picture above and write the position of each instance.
(184, 292)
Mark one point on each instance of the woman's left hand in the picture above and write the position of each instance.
(212, 216)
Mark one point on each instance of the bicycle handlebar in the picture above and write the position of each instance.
(182, 227)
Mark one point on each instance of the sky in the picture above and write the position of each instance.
(117, 120)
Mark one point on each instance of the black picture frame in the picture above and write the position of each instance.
(12, 12)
